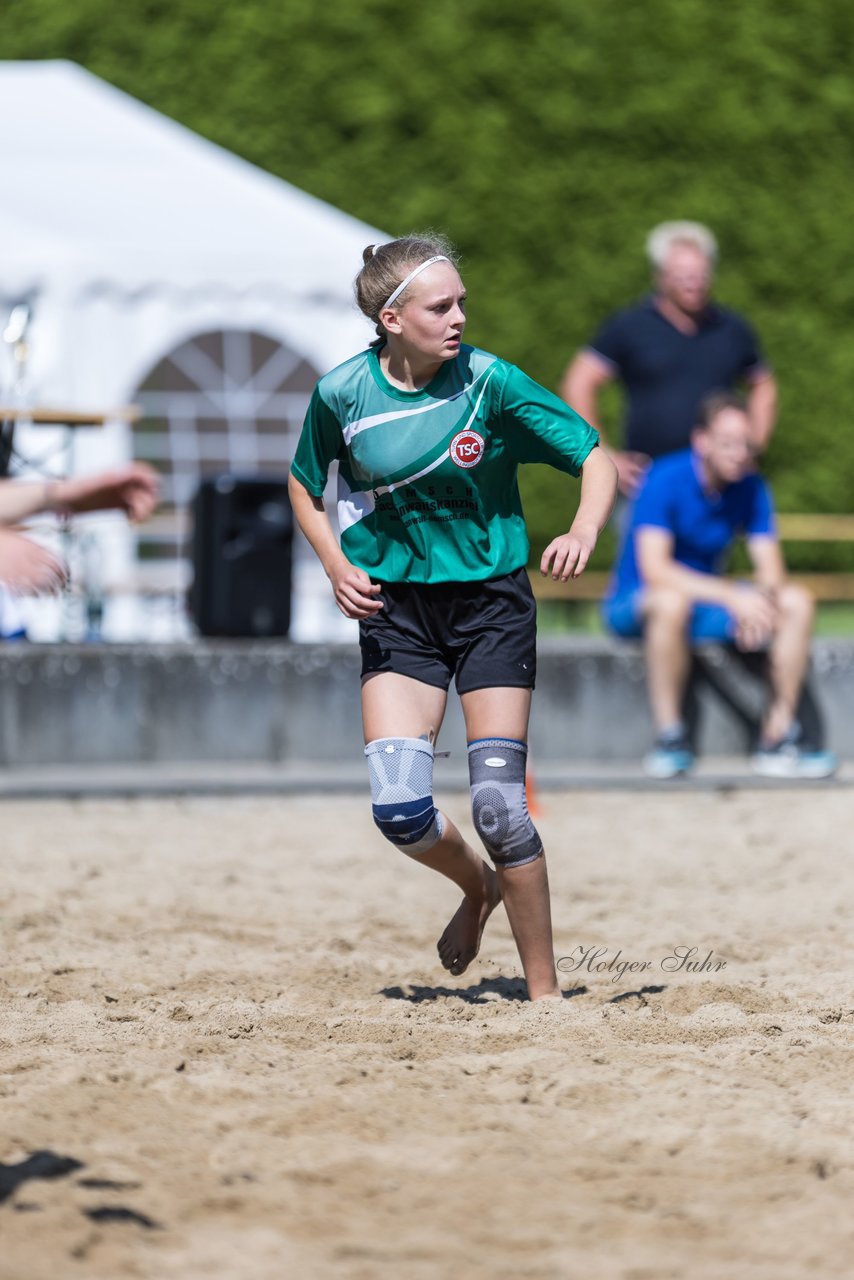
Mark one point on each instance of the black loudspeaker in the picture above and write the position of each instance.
(7, 435)
(242, 551)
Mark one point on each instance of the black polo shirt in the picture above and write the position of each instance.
(667, 373)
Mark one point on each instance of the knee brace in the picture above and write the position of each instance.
(402, 793)
(498, 804)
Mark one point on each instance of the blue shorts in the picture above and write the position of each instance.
(624, 616)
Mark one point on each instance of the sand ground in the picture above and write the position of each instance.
(231, 1014)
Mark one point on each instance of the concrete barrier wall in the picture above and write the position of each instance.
(65, 704)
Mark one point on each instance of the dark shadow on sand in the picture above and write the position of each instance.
(643, 991)
(41, 1164)
(478, 993)
(107, 1184)
(121, 1213)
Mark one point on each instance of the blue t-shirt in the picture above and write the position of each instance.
(704, 525)
(667, 374)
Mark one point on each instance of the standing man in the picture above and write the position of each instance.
(668, 588)
(669, 352)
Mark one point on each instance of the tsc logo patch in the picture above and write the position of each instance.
(467, 449)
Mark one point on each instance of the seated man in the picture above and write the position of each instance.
(668, 588)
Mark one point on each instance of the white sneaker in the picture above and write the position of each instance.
(792, 758)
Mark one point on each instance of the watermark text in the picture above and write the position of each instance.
(602, 961)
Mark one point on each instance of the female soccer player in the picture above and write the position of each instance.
(428, 434)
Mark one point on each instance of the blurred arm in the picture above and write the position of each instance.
(752, 607)
(132, 489)
(26, 567)
(658, 568)
(762, 408)
(586, 374)
(769, 568)
(580, 385)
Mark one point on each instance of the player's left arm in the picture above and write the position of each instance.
(545, 429)
(567, 555)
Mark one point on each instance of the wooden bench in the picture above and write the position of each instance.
(169, 534)
(824, 587)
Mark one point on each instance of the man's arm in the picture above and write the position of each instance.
(659, 569)
(762, 408)
(766, 557)
(752, 607)
(27, 567)
(586, 374)
(132, 489)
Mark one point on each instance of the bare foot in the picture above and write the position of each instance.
(460, 942)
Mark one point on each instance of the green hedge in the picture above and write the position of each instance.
(545, 141)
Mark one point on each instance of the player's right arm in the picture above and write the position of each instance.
(354, 592)
(320, 443)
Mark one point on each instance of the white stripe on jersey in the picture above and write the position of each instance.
(389, 488)
(351, 429)
(352, 506)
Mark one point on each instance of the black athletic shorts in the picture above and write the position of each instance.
(484, 633)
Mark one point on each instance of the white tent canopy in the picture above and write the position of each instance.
(129, 232)
(127, 235)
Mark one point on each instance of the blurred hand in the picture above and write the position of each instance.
(756, 617)
(631, 469)
(566, 556)
(132, 489)
(27, 568)
(354, 592)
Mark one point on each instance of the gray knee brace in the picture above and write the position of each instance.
(498, 804)
(402, 793)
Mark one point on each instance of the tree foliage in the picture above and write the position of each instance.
(545, 140)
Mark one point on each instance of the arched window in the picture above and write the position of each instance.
(226, 400)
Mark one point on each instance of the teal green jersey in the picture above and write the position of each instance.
(427, 488)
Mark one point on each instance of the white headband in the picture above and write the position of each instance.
(416, 271)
